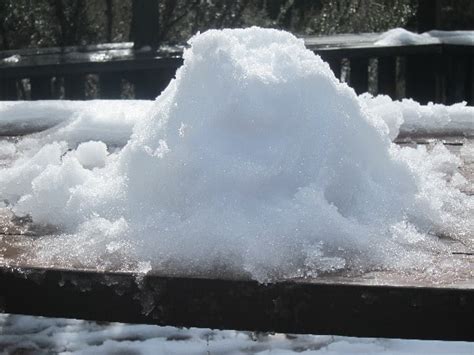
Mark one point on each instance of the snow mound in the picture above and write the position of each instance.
(254, 161)
(400, 37)
(408, 117)
(111, 121)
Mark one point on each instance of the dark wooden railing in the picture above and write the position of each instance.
(442, 73)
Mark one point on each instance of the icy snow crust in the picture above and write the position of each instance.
(254, 161)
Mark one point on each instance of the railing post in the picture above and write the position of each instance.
(359, 74)
(386, 76)
(145, 26)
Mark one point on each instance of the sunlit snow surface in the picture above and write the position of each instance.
(37, 335)
(254, 161)
(400, 37)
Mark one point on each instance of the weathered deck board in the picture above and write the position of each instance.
(377, 304)
(290, 306)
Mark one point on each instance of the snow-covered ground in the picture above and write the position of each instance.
(38, 335)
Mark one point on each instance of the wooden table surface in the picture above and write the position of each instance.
(377, 304)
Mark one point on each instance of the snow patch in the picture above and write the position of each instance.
(401, 37)
(408, 117)
(20, 334)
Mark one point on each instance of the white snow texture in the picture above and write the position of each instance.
(254, 161)
(38, 335)
(401, 37)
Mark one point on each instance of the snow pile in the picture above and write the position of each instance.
(111, 121)
(400, 37)
(26, 334)
(408, 117)
(12, 59)
(254, 161)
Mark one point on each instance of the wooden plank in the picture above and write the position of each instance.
(335, 308)
(359, 41)
(465, 49)
(134, 64)
(386, 78)
(341, 40)
(27, 52)
(359, 74)
(377, 51)
(112, 51)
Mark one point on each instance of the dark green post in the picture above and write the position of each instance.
(145, 27)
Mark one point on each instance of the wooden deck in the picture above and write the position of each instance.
(377, 304)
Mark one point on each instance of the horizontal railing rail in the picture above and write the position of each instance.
(437, 72)
(321, 306)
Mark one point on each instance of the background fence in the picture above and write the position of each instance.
(442, 73)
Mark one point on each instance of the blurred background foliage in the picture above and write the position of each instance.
(46, 23)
